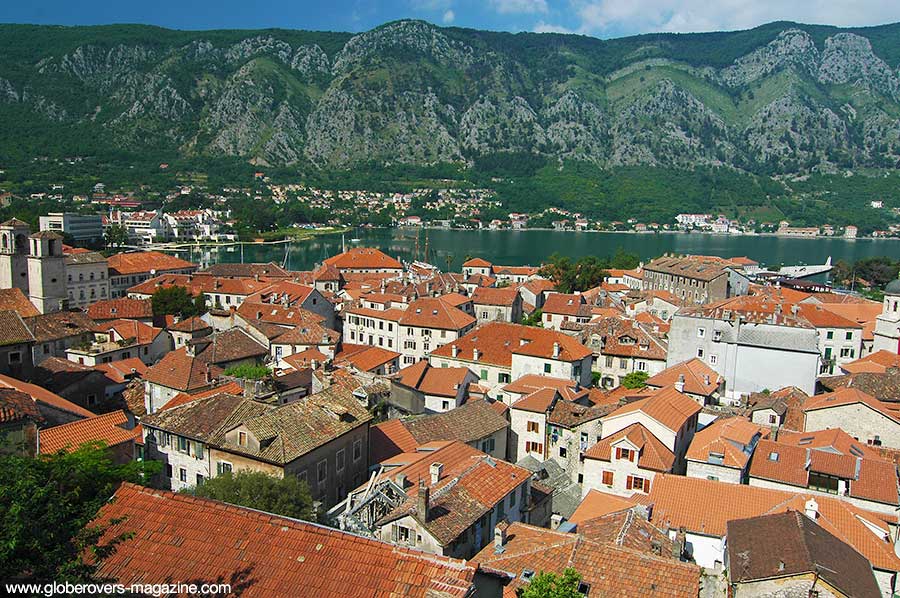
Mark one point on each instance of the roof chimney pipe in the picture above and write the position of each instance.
(555, 350)
(679, 386)
(436, 470)
(423, 500)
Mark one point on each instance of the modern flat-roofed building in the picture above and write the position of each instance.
(82, 227)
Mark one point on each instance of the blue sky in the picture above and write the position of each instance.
(601, 18)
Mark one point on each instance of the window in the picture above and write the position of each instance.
(700, 353)
(847, 352)
(512, 499)
(607, 478)
(182, 444)
(503, 378)
(609, 362)
(483, 374)
(357, 450)
(823, 482)
(168, 470)
(713, 359)
(242, 438)
(701, 332)
(533, 426)
(223, 467)
(642, 366)
(623, 364)
(623, 453)
(548, 367)
(773, 419)
(534, 447)
(46, 348)
(562, 452)
(182, 474)
(339, 461)
(200, 479)
(445, 405)
(15, 357)
(487, 446)
(321, 471)
(829, 335)
(637, 483)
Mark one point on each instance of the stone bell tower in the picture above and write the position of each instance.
(47, 272)
(14, 254)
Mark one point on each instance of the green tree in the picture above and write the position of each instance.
(569, 277)
(535, 319)
(177, 301)
(248, 372)
(46, 506)
(551, 585)
(634, 379)
(116, 236)
(624, 261)
(286, 496)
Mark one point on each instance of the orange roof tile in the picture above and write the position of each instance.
(699, 378)
(443, 382)
(498, 341)
(182, 372)
(14, 299)
(561, 303)
(388, 439)
(667, 406)
(730, 437)
(652, 454)
(110, 428)
(875, 363)
(363, 258)
(540, 401)
(435, 313)
(490, 296)
(229, 388)
(139, 262)
(279, 554)
(365, 358)
(476, 262)
(42, 395)
(597, 504)
(124, 308)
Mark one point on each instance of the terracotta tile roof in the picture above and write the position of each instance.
(619, 395)
(363, 258)
(597, 504)
(196, 284)
(269, 270)
(787, 401)
(13, 330)
(476, 262)
(869, 476)
(730, 437)
(821, 317)
(278, 554)
(139, 262)
(699, 378)
(142, 334)
(434, 313)
(470, 487)
(505, 297)
(629, 529)
(848, 396)
(389, 439)
(365, 358)
(16, 406)
(705, 507)
(621, 337)
(515, 270)
(667, 406)
(124, 308)
(791, 544)
(610, 569)
(122, 370)
(59, 325)
(834, 440)
(569, 415)
(700, 267)
(863, 313)
(110, 428)
(182, 372)
(15, 300)
(442, 382)
(569, 305)
(480, 280)
(285, 292)
(666, 296)
(310, 334)
(305, 359)
(471, 421)
(231, 345)
(529, 383)
(44, 396)
(884, 386)
(193, 324)
(652, 454)
(874, 363)
(540, 401)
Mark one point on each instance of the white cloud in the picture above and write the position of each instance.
(449, 17)
(509, 7)
(642, 16)
(543, 27)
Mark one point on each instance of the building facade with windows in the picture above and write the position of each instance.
(87, 278)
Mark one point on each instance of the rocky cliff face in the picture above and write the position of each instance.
(800, 99)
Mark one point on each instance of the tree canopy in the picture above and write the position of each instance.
(634, 379)
(286, 496)
(177, 301)
(46, 506)
(551, 585)
(570, 276)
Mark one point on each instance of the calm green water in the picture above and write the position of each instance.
(533, 246)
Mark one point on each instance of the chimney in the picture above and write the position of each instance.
(454, 350)
(679, 386)
(680, 541)
(499, 535)
(556, 520)
(422, 501)
(436, 470)
(812, 508)
(476, 354)
(401, 480)
(208, 375)
(706, 379)
(795, 309)
(555, 350)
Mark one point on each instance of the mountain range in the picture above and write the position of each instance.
(783, 98)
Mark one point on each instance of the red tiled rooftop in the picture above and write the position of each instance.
(122, 264)
(109, 429)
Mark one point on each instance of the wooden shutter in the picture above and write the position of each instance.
(618, 452)
(608, 478)
(395, 533)
(647, 486)
(629, 482)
